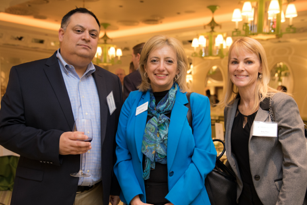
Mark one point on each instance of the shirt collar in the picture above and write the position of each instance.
(70, 68)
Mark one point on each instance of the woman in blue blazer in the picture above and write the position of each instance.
(160, 158)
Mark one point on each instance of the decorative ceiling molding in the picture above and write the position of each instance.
(29, 21)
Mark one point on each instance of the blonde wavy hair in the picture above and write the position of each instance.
(262, 89)
(182, 61)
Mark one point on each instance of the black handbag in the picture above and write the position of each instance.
(221, 182)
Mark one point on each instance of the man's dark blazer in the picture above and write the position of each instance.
(35, 111)
(131, 82)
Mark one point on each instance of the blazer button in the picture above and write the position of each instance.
(171, 173)
(257, 177)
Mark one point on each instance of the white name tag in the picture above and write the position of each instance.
(111, 103)
(265, 129)
(141, 108)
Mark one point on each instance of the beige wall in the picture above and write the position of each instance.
(293, 54)
(11, 56)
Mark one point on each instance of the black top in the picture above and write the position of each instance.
(156, 186)
(239, 144)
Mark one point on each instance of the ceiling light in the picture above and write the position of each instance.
(212, 44)
(291, 12)
(282, 17)
(106, 53)
(266, 25)
(247, 8)
(274, 7)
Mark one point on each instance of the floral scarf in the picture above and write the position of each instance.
(154, 145)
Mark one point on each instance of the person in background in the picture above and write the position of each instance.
(269, 160)
(282, 88)
(131, 67)
(212, 98)
(160, 158)
(121, 74)
(133, 80)
(42, 101)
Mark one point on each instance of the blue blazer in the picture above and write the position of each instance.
(190, 156)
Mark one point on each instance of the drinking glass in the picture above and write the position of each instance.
(83, 125)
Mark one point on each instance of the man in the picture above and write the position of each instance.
(133, 80)
(121, 74)
(131, 67)
(42, 101)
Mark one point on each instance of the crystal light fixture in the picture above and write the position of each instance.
(106, 53)
(212, 44)
(260, 24)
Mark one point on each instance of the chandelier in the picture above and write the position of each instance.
(212, 44)
(263, 18)
(106, 53)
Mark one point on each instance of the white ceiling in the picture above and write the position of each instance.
(117, 11)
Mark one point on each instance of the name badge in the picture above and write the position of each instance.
(111, 103)
(141, 108)
(265, 129)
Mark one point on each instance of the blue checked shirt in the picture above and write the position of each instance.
(84, 101)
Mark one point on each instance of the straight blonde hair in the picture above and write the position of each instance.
(262, 89)
(182, 61)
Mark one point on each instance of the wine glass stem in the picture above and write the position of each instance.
(81, 159)
(84, 161)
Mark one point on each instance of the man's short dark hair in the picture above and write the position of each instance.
(66, 18)
(138, 48)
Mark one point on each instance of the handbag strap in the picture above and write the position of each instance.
(189, 117)
(271, 113)
(218, 164)
(189, 114)
(222, 153)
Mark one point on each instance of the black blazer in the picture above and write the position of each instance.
(35, 111)
(131, 82)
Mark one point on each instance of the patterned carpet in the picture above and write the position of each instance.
(5, 197)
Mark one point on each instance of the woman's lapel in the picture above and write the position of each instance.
(263, 111)
(178, 117)
(229, 123)
(140, 123)
(261, 116)
(230, 118)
